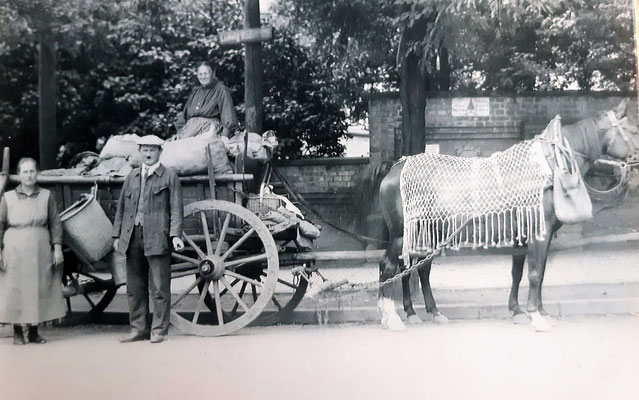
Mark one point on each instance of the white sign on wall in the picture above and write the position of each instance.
(471, 107)
(432, 148)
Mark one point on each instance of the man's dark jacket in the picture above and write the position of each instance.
(163, 213)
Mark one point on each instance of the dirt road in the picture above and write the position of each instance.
(583, 358)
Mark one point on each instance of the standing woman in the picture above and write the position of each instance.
(31, 257)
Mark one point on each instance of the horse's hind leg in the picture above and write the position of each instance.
(411, 315)
(388, 267)
(429, 300)
(517, 272)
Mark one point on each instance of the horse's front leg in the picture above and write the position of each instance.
(517, 272)
(537, 255)
(388, 268)
(411, 315)
(429, 300)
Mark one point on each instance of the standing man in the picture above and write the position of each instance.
(147, 222)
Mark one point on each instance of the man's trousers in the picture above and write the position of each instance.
(144, 272)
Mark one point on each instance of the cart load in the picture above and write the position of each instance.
(188, 156)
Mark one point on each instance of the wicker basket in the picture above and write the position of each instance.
(87, 229)
(262, 205)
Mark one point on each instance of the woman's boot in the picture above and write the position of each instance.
(18, 337)
(34, 336)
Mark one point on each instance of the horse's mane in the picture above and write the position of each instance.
(583, 137)
(363, 200)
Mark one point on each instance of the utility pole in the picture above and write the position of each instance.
(251, 36)
(48, 137)
(253, 70)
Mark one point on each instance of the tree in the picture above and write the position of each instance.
(467, 44)
(128, 66)
(355, 39)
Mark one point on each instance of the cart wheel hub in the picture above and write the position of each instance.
(211, 267)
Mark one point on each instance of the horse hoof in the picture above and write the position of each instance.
(440, 319)
(551, 320)
(395, 325)
(539, 323)
(520, 318)
(413, 320)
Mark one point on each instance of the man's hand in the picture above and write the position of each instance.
(58, 257)
(116, 242)
(178, 244)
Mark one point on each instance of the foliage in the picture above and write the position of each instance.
(585, 44)
(512, 45)
(354, 38)
(298, 103)
(127, 66)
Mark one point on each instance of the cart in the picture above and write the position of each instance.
(228, 276)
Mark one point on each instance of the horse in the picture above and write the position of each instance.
(607, 134)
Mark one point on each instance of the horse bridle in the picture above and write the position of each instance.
(632, 159)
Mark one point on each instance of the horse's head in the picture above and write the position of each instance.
(620, 137)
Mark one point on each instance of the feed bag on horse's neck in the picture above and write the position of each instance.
(503, 194)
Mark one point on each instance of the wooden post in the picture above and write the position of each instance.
(635, 14)
(253, 70)
(48, 138)
(4, 173)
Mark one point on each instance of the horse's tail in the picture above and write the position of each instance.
(366, 215)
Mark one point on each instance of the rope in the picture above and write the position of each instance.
(301, 200)
(418, 265)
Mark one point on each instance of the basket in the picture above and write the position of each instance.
(262, 205)
(87, 229)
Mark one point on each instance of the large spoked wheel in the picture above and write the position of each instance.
(230, 262)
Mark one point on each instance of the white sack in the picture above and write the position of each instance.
(120, 146)
(188, 156)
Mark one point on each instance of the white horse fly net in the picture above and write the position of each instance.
(503, 194)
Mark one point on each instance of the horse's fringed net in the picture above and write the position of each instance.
(503, 194)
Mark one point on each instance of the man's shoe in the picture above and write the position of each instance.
(134, 337)
(157, 338)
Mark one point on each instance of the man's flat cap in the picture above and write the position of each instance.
(150, 140)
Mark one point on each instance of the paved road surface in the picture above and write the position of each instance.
(583, 358)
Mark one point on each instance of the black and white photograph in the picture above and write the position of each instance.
(319, 199)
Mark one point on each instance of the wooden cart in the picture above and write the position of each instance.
(229, 274)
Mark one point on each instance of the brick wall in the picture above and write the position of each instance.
(511, 119)
(385, 119)
(326, 182)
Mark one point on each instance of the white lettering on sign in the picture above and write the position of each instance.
(471, 107)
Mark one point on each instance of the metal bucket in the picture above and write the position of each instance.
(87, 229)
(117, 265)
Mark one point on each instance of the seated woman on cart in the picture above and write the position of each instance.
(209, 106)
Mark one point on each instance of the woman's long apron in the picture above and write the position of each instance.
(30, 286)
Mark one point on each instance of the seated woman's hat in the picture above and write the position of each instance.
(150, 140)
